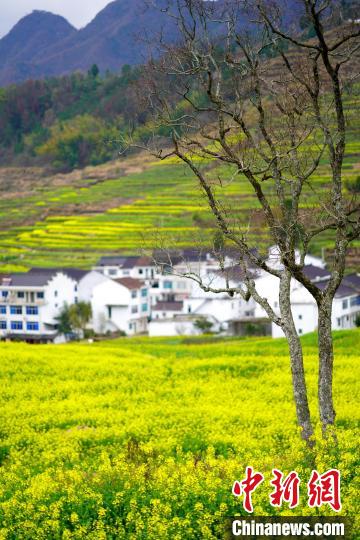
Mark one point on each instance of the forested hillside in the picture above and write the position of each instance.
(76, 120)
(68, 122)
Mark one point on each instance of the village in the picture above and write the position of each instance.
(135, 295)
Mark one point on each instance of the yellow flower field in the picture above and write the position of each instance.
(143, 438)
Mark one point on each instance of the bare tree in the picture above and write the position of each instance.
(264, 96)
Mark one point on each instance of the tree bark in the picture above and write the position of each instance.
(296, 361)
(326, 362)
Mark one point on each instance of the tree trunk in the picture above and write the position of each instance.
(296, 361)
(326, 362)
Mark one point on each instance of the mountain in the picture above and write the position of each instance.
(33, 34)
(43, 44)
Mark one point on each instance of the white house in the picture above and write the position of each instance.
(166, 310)
(121, 304)
(178, 325)
(274, 259)
(169, 287)
(346, 305)
(31, 301)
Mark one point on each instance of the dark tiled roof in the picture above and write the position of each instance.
(168, 306)
(126, 262)
(130, 283)
(235, 273)
(352, 280)
(38, 277)
(145, 261)
(314, 272)
(342, 291)
(111, 261)
(132, 262)
(74, 273)
(33, 278)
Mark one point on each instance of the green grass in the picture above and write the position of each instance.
(143, 438)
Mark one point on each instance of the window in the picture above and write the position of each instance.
(355, 301)
(300, 331)
(338, 322)
(40, 295)
(276, 304)
(32, 326)
(133, 294)
(112, 272)
(2, 310)
(76, 300)
(168, 284)
(126, 273)
(144, 292)
(134, 309)
(141, 271)
(300, 317)
(21, 294)
(16, 325)
(16, 310)
(109, 312)
(55, 294)
(5, 294)
(76, 288)
(144, 307)
(130, 326)
(32, 310)
(3, 325)
(344, 304)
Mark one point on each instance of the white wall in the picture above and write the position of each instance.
(110, 294)
(172, 328)
(60, 290)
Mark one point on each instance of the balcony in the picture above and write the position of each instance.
(30, 299)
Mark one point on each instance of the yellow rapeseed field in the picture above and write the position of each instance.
(143, 438)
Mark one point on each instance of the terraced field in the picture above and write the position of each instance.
(74, 223)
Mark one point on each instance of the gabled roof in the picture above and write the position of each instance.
(39, 277)
(352, 280)
(75, 273)
(315, 272)
(33, 278)
(168, 306)
(130, 283)
(133, 261)
(127, 262)
(145, 261)
(341, 292)
(111, 261)
(235, 273)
